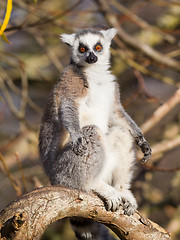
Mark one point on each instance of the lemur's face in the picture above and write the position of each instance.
(90, 46)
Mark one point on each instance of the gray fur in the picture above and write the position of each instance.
(86, 31)
(86, 137)
(81, 169)
(78, 70)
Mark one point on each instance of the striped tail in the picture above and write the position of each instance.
(86, 229)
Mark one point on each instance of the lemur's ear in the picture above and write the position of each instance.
(109, 34)
(67, 38)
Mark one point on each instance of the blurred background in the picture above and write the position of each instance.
(146, 62)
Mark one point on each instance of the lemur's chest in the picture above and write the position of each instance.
(95, 107)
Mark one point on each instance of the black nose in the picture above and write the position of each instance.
(92, 58)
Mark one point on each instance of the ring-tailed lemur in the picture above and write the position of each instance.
(86, 137)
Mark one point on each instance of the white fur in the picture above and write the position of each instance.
(109, 34)
(120, 157)
(96, 108)
(68, 38)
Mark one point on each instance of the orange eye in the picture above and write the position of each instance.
(82, 49)
(98, 47)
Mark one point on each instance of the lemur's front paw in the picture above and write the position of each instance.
(145, 148)
(80, 146)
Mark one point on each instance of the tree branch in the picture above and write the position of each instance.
(28, 216)
(132, 41)
(161, 112)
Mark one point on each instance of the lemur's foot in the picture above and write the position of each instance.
(86, 139)
(129, 203)
(145, 148)
(128, 207)
(114, 199)
(113, 203)
(110, 196)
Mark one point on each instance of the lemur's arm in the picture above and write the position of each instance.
(70, 120)
(137, 134)
(69, 117)
(72, 89)
(120, 117)
(49, 132)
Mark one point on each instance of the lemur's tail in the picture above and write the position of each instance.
(86, 229)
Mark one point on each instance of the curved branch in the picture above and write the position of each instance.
(28, 216)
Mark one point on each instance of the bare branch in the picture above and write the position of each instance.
(129, 59)
(24, 82)
(14, 184)
(165, 146)
(134, 42)
(21, 172)
(49, 52)
(28, 216)
(166, 3)
(160, 169)
(161, 112)
(9, 99)
(45, 20)
(140, 22)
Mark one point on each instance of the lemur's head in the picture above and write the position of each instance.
(90, 46)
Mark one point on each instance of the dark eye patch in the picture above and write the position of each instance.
(82, 48)
(98, 47)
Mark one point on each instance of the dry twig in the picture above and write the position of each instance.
(14, 184)
(49, 52)
(161, 112)
(21, 172)
(160, 169)
(140, 22)
(165, 146)
(160, 148)
(132, 41)
(46, 19)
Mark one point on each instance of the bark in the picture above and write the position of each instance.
(28, 216)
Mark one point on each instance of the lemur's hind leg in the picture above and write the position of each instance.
(121, 147)
(110, 196)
